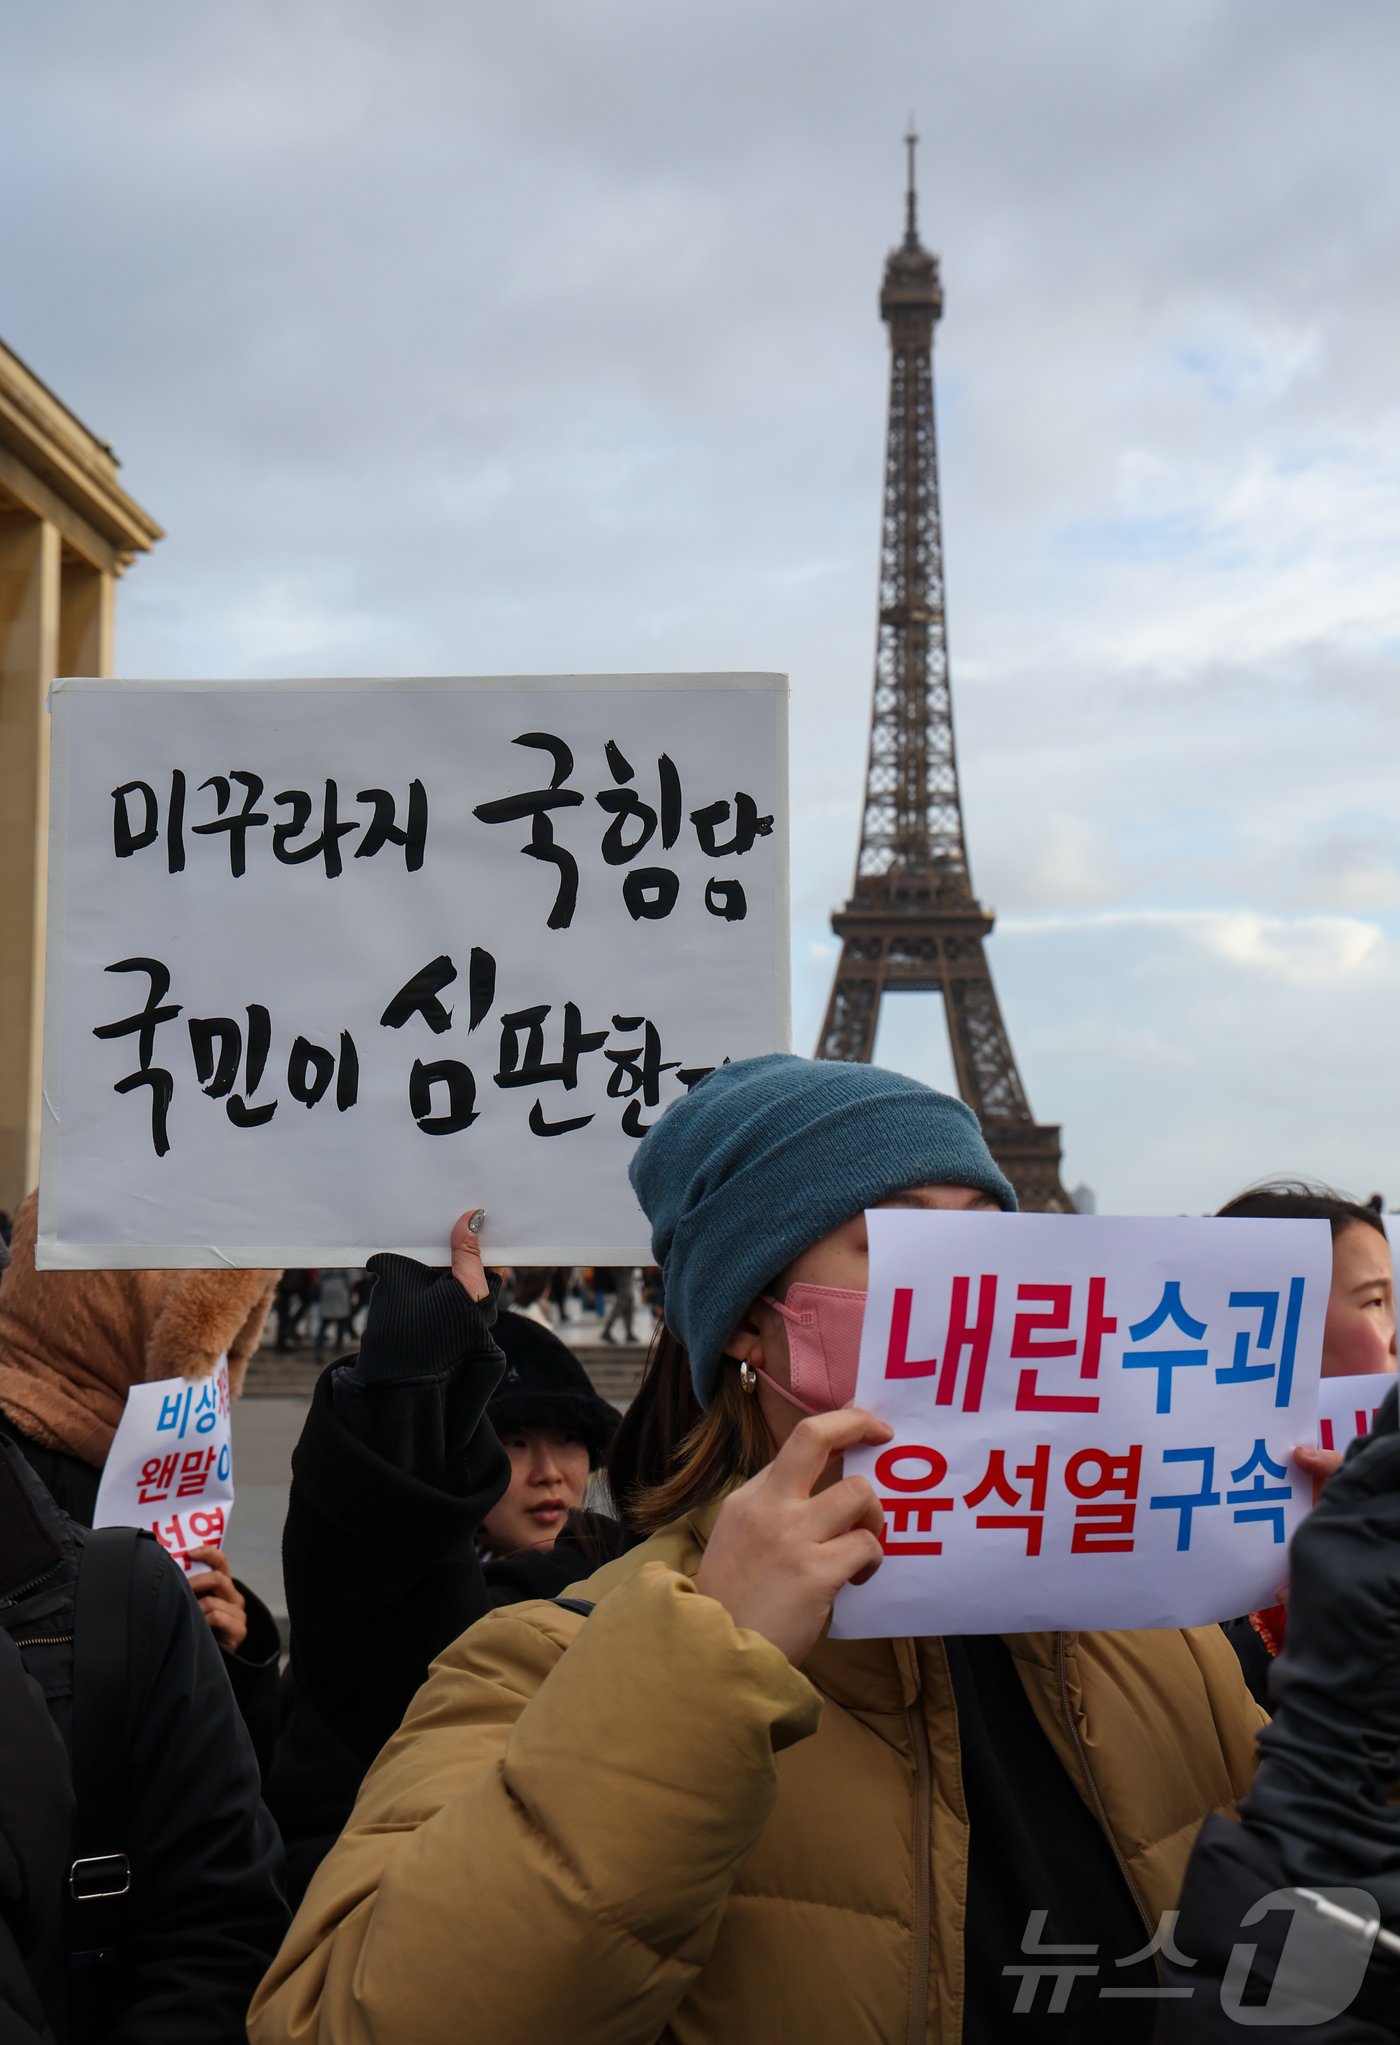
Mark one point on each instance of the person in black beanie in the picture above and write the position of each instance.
(439, 1473)
(554, 1428)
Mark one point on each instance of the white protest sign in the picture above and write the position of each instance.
(1347, 1406)
(330, 961)
(1093, 1418)
(171, 1463)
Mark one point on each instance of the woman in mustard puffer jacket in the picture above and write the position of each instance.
(666, 1806)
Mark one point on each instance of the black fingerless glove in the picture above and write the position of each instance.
(1330, 1762)
(420, 1322)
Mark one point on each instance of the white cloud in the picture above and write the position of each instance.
(465, 339)
(1299, 950)
(1188, 1053)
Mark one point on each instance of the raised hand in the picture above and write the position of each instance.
(465, 1242)
(418, 1319)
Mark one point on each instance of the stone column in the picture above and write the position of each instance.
(29, 650)
(86, 610)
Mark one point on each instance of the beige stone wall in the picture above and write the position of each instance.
(67, 530)
(29, 606)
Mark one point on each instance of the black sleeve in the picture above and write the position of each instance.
(394, 1473)
(207, 1913)
(432, 1348)
(22, 2020)
(254, 1674)
(311, 1790)
(1231, 1870)
(36, 1827)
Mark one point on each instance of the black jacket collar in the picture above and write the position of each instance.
(37, 1544)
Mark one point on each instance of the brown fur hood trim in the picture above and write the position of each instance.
(72, 1342)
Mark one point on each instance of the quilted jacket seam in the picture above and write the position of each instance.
(815, 1903)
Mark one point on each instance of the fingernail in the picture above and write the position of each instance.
(476, 1221)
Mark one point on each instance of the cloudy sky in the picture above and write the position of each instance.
(446, 337)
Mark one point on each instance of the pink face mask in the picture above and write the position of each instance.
(823, 1324)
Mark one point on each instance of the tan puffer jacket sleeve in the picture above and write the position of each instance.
(546, 1846)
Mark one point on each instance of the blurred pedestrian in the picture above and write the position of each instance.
(530, 1289)
(334, 1306)
(296, 1293)
(604, 1284)
(624, 1304)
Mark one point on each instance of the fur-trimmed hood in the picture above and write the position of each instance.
(73, 1342)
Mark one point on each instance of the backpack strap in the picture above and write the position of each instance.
(99, 1880)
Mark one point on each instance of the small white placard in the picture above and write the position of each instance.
(1347, 1406)
(171, 1464)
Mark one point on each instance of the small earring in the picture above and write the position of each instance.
(748, 1377)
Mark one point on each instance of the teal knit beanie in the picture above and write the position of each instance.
(763, 1158)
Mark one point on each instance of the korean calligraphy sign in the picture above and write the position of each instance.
(1094, 1418)
(327, 960)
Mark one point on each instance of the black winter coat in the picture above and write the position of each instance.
(379, 1562)
(253, 1669)
(36, 1825)
(391, 1481)
(206, 1910)
(1232, 1868)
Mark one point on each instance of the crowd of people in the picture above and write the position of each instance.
(563, 1745)
(328, 1308)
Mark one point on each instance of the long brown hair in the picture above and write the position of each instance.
(670, 1455)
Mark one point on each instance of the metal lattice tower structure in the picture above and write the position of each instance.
(913, 923)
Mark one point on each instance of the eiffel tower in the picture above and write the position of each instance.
(913, 922)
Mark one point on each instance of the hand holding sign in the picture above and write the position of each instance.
(465, 1243)
(170, 1466)
(784, 1545)
(422, 1317)
(220, 1599)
